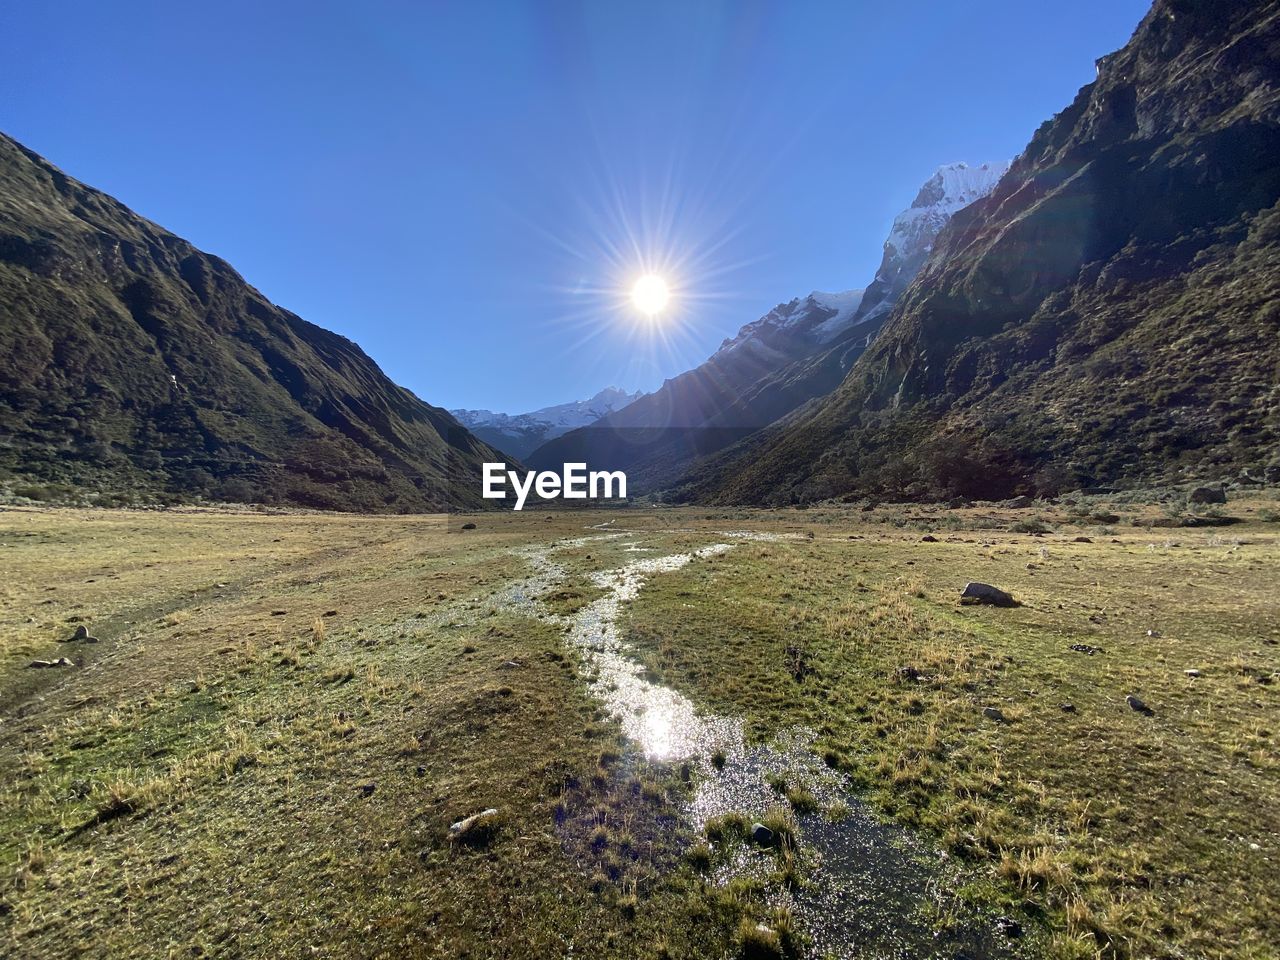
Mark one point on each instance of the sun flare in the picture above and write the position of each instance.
(650, 294)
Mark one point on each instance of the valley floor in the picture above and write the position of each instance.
(283, 714)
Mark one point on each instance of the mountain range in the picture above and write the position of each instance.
(1103, 311)
(520, 434)
(797, 352)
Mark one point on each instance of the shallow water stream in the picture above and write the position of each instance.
(871, 889)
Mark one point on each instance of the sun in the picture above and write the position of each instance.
(650, 294)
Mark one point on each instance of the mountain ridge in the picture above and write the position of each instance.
(143, 369)
(1106, 314)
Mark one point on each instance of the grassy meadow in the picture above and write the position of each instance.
(284, 713)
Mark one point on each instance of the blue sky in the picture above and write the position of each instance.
(468, 190)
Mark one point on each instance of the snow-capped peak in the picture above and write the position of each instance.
(553, 420)
(952, 187)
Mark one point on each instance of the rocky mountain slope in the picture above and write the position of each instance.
(795, 353)
(520, 434)
(138, 367)
(1110, 312)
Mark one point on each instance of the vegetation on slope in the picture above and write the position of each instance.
(139, 368)
(1108, 314)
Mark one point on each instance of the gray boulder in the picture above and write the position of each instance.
(975, 592)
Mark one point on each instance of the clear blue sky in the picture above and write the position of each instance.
(465, 188)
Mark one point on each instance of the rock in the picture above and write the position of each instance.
(957, 503)
(474, 828)
(1018, 503)
(45, 664)
(975, 592)
(762, 835)
(993, 713)
(468, 526)
(1192, 673)
(1207, 495)
(1067, 707)
(1082, 540)
(928, 538)
(366, 789)
(1085, 648)
(1138, 706)
(1010, 927)
(82, 633)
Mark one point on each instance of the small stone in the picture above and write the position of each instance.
(993, 713)
(762, 835)
(1008, 926)
(1138, 706)
(975, 592)
(473, 827)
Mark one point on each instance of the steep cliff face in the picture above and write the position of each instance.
(952, 188)
(138, 367)
(1108, 313)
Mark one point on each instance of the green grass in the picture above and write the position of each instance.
(1134, 834)
(199, 785)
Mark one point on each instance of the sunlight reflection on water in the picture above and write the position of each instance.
(871, 887)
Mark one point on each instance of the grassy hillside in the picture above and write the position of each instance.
(139, 368)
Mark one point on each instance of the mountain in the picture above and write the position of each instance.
(797, 352)
(521, 434)
(1108, 314)
(952, 188)
(137, 367)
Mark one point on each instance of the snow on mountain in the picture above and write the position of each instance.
(520, 434)
(813, 320)
(952, 188)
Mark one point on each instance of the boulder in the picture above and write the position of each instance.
(1018, 503)
(993, 713)
(928, 538)
(975, 592)
(762, 835)
(468, 526)
(1207, 495)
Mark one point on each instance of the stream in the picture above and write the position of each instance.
(871, 889)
